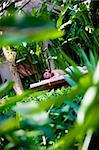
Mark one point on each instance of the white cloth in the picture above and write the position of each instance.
(71, 69)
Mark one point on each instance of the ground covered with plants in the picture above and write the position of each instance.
(36, 34)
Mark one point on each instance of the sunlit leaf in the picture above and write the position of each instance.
(96, 75)
(86, 102)
(8, 124)
(13, 100)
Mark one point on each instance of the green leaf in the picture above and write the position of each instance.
(18, 29)
(85, 37)
(6, 87)
(96, 75)
(70, 81)
(86, 102)
(8, 125)
(61, 16)
(92, 59)
(13, 100)
(85, 59)
(25, 109)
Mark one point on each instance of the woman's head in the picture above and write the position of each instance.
(47, 75)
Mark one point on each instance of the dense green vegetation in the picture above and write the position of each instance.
(65, 118)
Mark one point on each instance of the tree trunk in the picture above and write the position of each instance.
(10, 57)
(49, 61)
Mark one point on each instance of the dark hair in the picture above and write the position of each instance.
(42, 77)
(46, 70)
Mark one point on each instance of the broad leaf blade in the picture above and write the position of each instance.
(17, 29)
(5, 88)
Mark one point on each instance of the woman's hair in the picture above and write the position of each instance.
(42, 77)
(46, 70)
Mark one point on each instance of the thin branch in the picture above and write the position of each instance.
(24, 5)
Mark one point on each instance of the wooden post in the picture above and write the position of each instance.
(10, 57)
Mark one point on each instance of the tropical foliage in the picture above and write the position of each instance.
(65, 118)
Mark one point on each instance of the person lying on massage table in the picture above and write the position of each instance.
(57, 72)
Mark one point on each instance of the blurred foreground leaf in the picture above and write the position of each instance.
(8, 125)
(39, 118)
(13, 100)
(21, 28)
